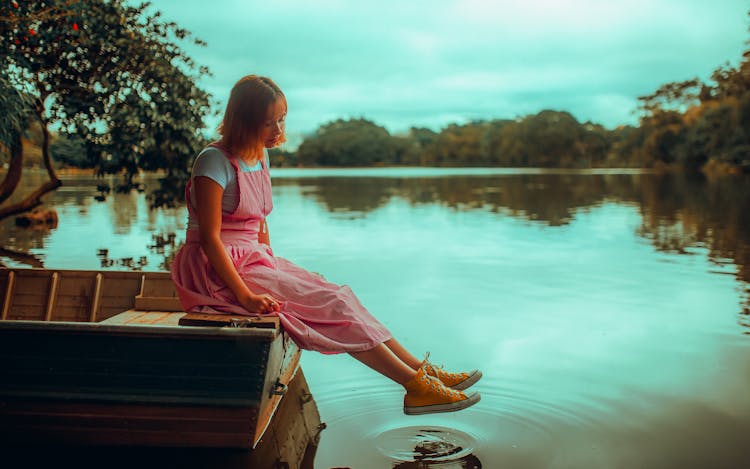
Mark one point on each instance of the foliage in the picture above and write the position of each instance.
(70, 150)
(283, 157)
(112, 74)
(691, 123)
(549, 138)
(15, 108)
(355, 142)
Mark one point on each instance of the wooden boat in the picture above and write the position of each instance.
(109, 358)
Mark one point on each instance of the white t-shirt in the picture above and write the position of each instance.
(212, 163)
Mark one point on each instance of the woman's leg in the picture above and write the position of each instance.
(403, 354)
(387, 363)
(424, 395)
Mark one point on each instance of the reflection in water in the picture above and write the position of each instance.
(608, 312)
(22, 258)
(680, 212)
(422, 447)
(119, 232)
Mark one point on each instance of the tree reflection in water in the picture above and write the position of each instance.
(680, 212)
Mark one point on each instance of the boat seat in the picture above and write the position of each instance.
(152, 318)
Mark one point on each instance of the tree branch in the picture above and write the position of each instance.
(35, 198)
(32, 200)
(13, 176)
(22, 257)
(45, 14)
(45, 152)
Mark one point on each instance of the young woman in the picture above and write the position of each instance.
(227, 264)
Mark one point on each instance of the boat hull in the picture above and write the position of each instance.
(139, 377)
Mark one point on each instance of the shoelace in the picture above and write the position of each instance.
(438, 371)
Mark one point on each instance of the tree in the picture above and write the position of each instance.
(492, 141)
(411, 148)
(457, 145)
(677, 96)
(353, 142)
(113, 75)
(15, 108)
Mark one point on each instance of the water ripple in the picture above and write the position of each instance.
(506, 411)
(431, 444)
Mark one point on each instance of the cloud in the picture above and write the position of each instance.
(431, 63)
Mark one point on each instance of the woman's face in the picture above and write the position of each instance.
(273, 127)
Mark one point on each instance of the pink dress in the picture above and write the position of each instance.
(317, 314)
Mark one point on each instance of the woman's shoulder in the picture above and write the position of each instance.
(215, 155)
(213, 152)
(212, 162)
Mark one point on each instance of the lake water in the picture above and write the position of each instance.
(608, 310)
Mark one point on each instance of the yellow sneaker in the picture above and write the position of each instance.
(458, 381)
(426, 395)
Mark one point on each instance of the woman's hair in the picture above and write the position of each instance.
(247, 110)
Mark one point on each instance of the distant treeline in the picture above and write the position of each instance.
(688, 124)
(547, 139)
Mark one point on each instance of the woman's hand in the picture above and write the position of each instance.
(260, 304)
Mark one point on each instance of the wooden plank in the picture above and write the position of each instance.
(295, 430)
(161, 303)
(138, 418)
(158, 286)
(282, 368)
(222, 320)
(64, 435)
(52, 296)
(155, 318)
(27, 307)
(68, 408)
(186, 450)
(31, 283)
(106, 312)
(157, 293)
(142, 284)
(4, 271)
(133, 363)
(96, 297)
(73, 299)
(30, 296)
(123, 318)
(9, 291)
(118, 293)
(295, 425)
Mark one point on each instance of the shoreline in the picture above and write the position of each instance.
(710, 169)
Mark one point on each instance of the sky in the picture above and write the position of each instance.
(431, 63)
